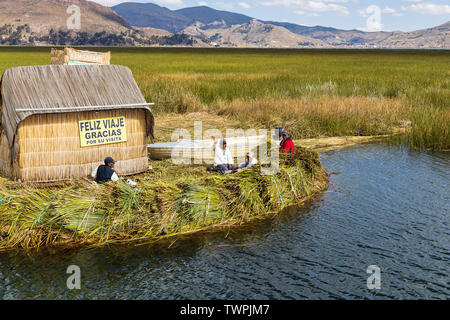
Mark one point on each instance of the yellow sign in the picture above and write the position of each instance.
(102, 131)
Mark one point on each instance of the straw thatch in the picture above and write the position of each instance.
(41, 109)
(5, 155)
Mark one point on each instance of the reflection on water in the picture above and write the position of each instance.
(386, 207)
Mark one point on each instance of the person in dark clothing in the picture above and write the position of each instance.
(105, 172)
(286, 145)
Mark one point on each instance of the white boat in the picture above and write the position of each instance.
(203, 149)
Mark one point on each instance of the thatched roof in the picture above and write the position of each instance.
(26, 91)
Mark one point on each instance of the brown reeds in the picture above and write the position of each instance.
(321, 116)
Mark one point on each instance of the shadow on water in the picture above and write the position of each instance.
(385, 206)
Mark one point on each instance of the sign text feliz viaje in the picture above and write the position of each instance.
(102, 131)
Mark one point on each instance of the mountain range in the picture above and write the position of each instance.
(43, 22)
(223, 28)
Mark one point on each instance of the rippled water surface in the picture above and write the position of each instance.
(385, 206)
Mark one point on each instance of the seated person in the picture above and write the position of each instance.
(250, 160)
(105, 172)
(223, 161)
(286, 145)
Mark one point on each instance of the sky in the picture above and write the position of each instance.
(367, 15)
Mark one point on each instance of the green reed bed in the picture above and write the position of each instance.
(170, 200)
(414, 82)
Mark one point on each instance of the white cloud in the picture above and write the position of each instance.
(202, 3)
(391, 11)
(224, 5)
(310, 14)
(388, 10)
(244, 5)
(362, 13)
(430, 8)
(309, 5)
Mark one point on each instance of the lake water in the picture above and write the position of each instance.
(386, 206)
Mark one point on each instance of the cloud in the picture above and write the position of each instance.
(362, 13)
(244, 5)
(224, 5)
(430, 8)
(310, 5)
(388, 10)
(311, 14)
(391, 11)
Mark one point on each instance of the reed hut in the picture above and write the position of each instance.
(49, 116)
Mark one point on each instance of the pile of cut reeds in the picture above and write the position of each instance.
(170, 200)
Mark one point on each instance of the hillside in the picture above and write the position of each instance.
(427, 38)
(43, 15)
(44, 22)
(252, 34)
(337, 37)
(152, 15)
(207, 15)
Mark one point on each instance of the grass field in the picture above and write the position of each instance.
(312, 92)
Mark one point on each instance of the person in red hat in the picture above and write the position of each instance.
(286, 145)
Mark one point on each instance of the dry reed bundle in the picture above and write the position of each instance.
(63, 57)
(171, 200)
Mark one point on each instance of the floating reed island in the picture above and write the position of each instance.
(170, 200)
(59, 122)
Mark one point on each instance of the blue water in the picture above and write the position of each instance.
(386, 206)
